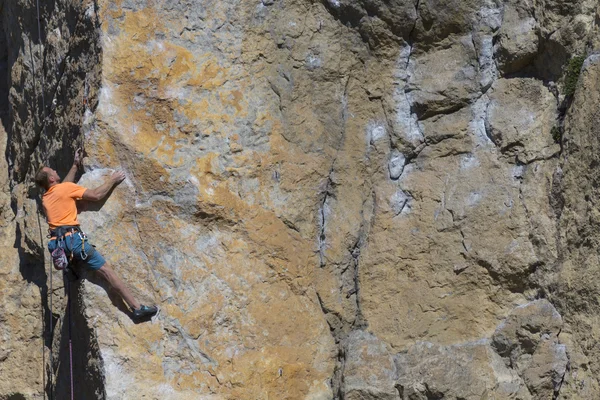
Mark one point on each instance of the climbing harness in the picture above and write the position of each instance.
(60, 259)
(59, 256)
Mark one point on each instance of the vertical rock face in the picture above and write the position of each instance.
(349, 199)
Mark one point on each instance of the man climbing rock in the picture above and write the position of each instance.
(59, 201)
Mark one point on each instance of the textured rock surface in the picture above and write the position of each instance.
(520, 117)
(350, 199)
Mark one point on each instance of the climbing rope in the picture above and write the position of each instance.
(66, 271)
(70, 335)
(51, 291)
(43, 314)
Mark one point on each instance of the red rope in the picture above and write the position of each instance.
(44, 118)
(70, 337)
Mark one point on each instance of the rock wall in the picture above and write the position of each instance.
(345, 199)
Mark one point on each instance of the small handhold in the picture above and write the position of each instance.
(396, 164)
(460, 268)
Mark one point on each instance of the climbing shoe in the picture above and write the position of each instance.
(145, 312)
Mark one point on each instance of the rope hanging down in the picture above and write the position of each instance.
(70, 335)
(51, 292)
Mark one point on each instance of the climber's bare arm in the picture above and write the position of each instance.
(101, 191)
(76, 164)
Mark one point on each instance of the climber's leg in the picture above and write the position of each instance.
(117, 284)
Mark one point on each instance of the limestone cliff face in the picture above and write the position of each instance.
(337, 199)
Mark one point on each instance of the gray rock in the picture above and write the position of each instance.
(517, 43)
(444, 80)
(520, 117)
(270, 209)
(468, 371)
(396, 164)
(369, 371)
(528, 340)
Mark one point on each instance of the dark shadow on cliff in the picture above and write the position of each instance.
(19, 20)
(29, 145)
(16, 396)
(4, 80)
(64, 77)
(33, 270)
(88, 380)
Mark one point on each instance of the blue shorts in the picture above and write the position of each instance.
(72, 244)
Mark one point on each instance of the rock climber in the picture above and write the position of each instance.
(59, 202)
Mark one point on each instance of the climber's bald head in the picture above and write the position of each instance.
(46, 177)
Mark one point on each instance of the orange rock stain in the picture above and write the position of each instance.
(172, 83)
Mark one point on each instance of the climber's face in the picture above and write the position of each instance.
(53, 177)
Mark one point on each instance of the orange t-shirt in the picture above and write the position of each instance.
(59, 204)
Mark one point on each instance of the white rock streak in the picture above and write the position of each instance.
(406, 122)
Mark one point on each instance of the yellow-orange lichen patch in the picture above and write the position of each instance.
(142, 25)
(208, 75)
(104, 149)
(234, 99)
(174, 311)
(275, 377)
(149, 334)
(162, 64)
(109, 8)
(206, 165)
(195, 380)
(162, 91)
(207, 112)
(200, 320)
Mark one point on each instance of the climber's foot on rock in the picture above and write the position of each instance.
(144, 312)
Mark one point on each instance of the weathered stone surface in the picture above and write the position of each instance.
(373, 17)
(520, 117)
(528, 340)
(517, 42)
(545, 372)
(444, 80)
(534, 365)
(574, 283)
(440, 21)
(463, 371)
(369, 370)
(564, 27)
(353, 199)
(524, 329)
